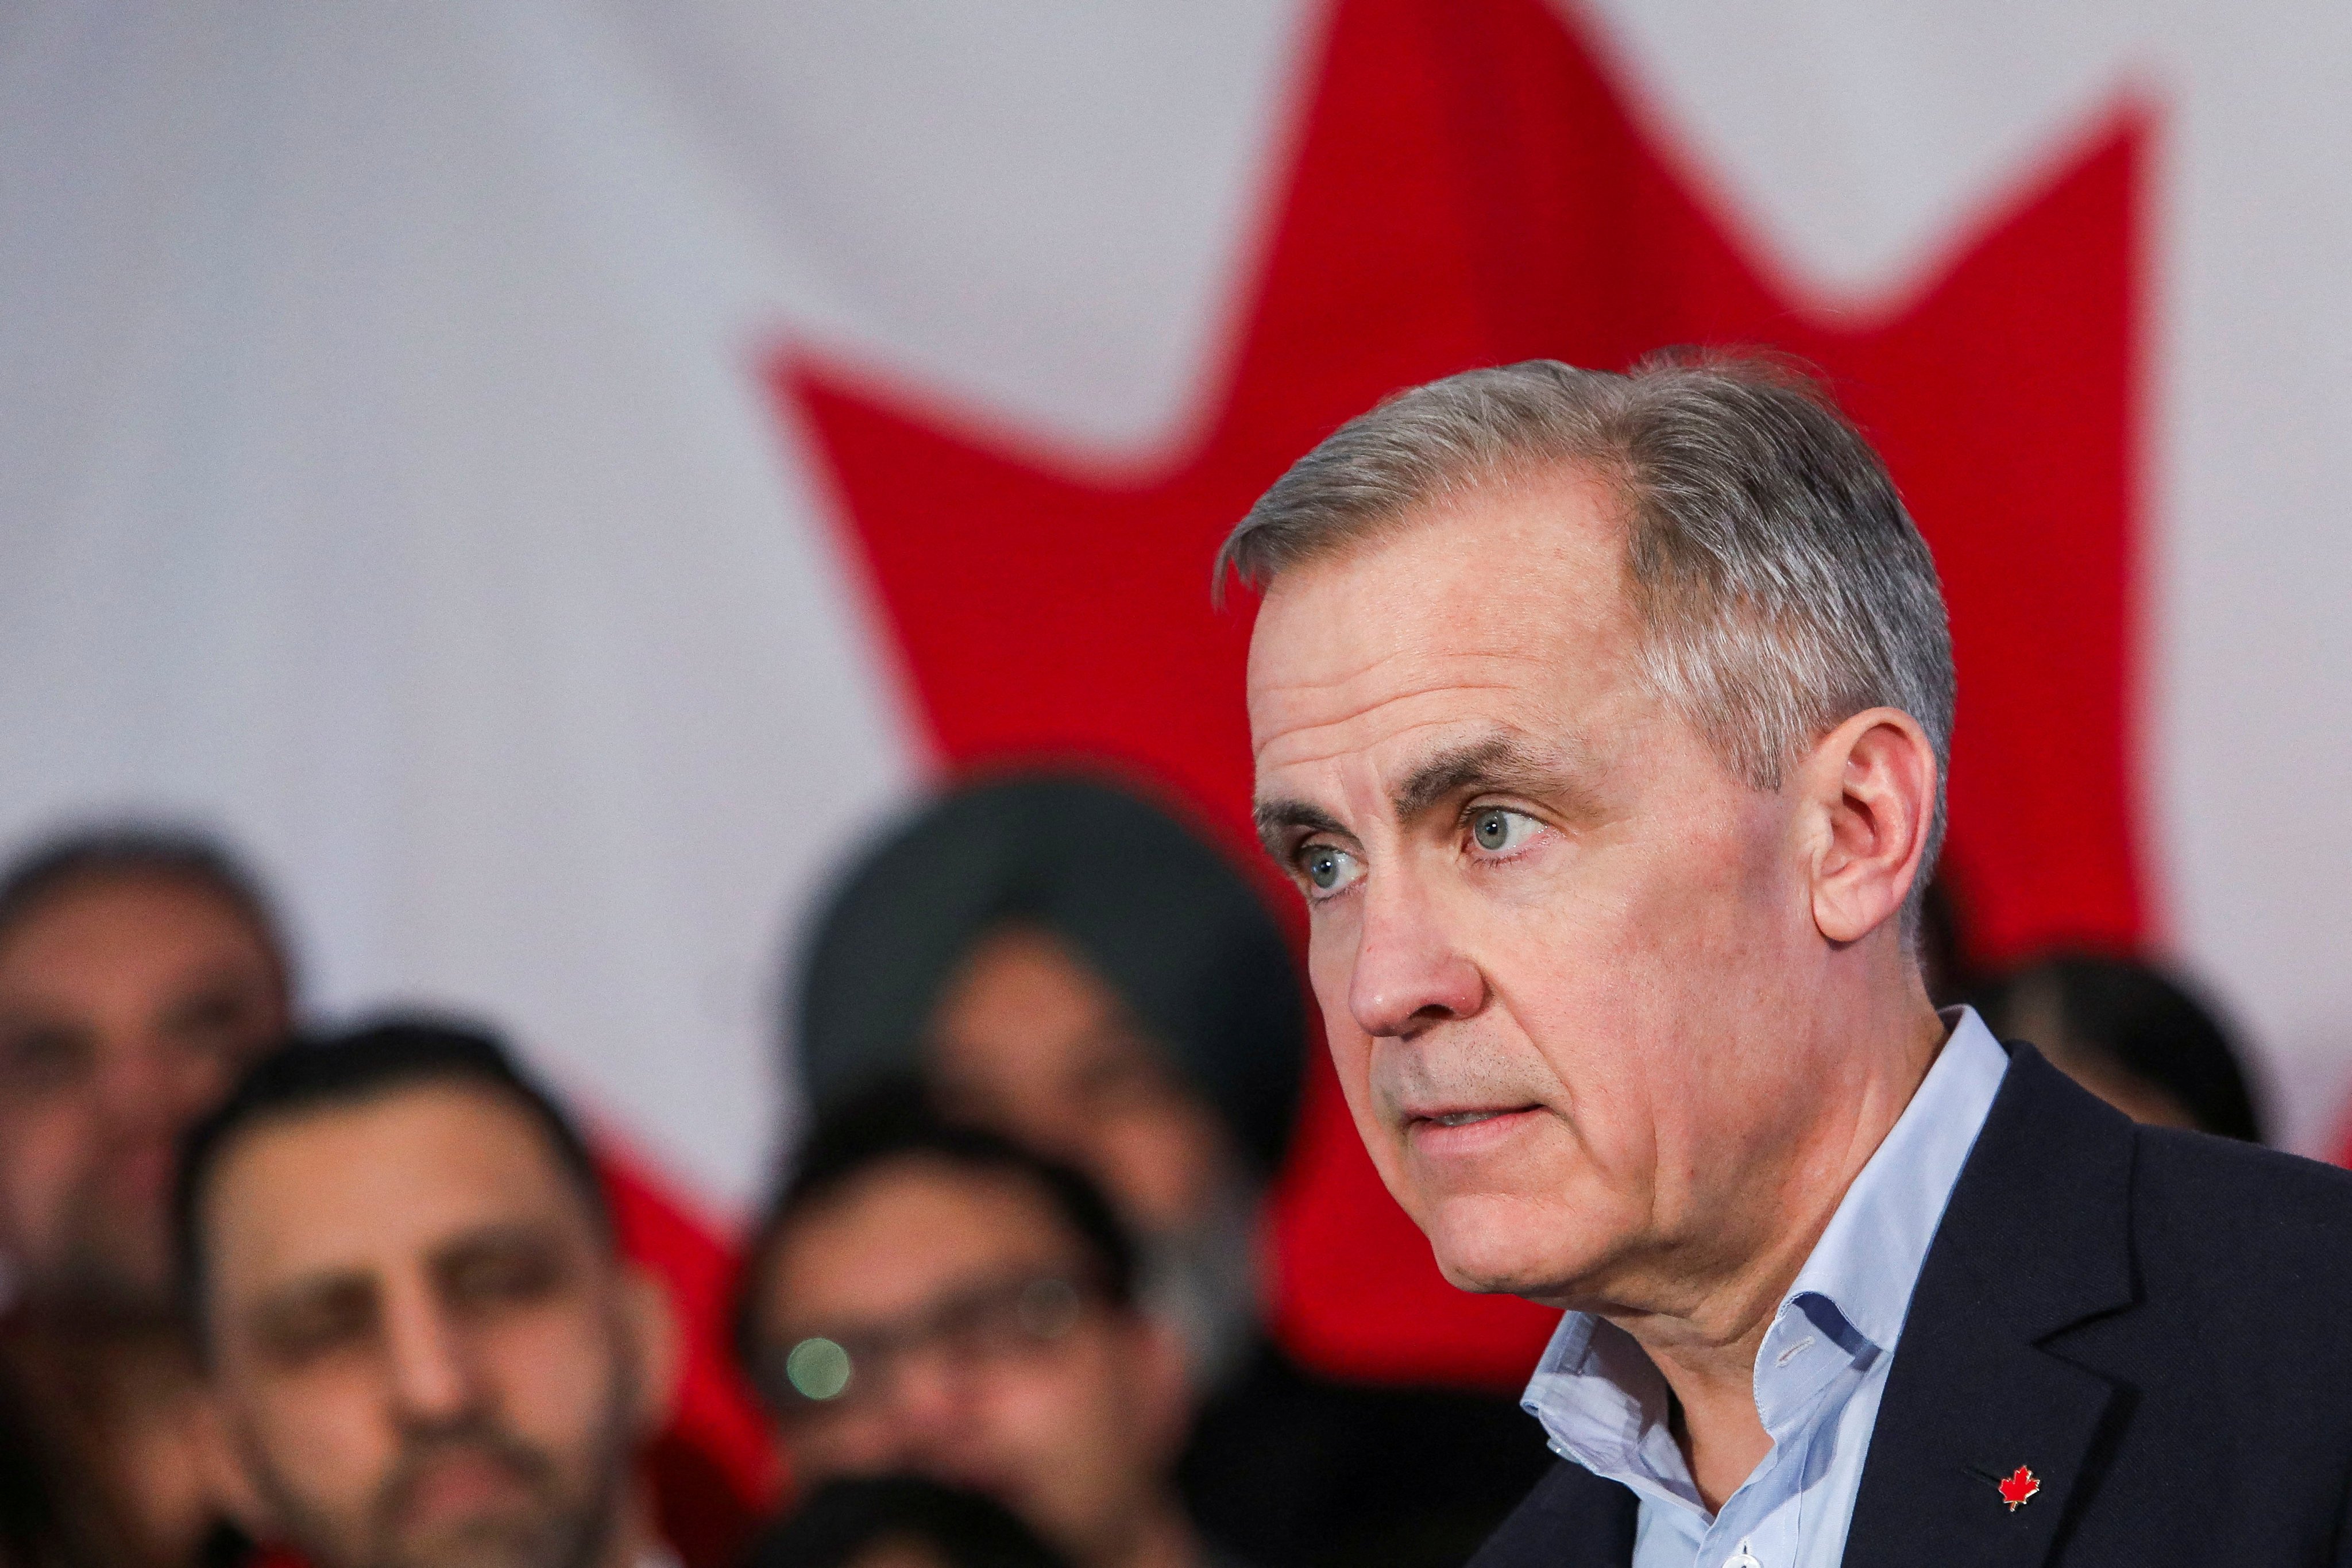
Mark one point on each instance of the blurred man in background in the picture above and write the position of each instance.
(930, 1299)
(2130, 1034)
(1054, 957)
(422, 1349)
(141, 971)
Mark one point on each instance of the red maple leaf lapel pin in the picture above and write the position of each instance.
(2014, 1488)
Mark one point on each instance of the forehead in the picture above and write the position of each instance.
(1505, 605)
(897, 1235)
(374, 1184)
(119, 926)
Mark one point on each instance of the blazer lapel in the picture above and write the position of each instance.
(2035, 1240)
(1572, 1519)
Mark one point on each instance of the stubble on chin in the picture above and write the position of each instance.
(552, 1525)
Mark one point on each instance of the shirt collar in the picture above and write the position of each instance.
(1870, 1255)
(1603, 1401)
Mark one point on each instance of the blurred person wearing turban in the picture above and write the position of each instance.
(142, 968)
(2132, 1035)
(1052, 957)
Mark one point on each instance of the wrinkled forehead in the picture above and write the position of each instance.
(1508, 605)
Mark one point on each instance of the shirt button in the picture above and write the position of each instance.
(1743, 1558)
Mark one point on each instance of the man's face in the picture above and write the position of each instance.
(1029, 1040)
(128, 1006)
(423, 1348)
(1557, 944)
(980, 1353)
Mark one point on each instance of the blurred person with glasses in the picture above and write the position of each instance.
(930, 1298)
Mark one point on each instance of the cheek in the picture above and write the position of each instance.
(1331, 971)
(46, 1149)
(1160, 1163)
(553, 1375)
(1072, 1428)
(328, 1434)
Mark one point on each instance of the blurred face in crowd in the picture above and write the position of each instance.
(952, 1324)
(1580, 982)
(128, 1006)
(1029, 1041)
(424, 1353)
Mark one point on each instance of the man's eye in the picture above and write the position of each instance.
(317, 1329)
(1328, 868)
(1499, 832)
(42, 1060)
(503, 1275)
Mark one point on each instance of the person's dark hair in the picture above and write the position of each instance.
(892, 1123)
(847, 1519)
(137, 851)
(2136, 1019)
(377, 1059)
(1148, 902)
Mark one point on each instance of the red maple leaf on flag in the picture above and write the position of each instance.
(2020, 1486)
(1470, 187)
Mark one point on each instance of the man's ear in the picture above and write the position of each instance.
(651, 1323)
(227, 1482)
(1871, 783)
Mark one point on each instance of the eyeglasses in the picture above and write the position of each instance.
(993, 1323)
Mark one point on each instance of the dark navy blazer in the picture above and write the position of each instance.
(2157, 1324)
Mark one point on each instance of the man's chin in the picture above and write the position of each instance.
(1494, 1246)
(486, 1541)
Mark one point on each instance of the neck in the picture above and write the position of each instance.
(1706, 1352)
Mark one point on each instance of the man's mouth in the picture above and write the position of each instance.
(1467, 1118)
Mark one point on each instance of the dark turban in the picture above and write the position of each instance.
(1156, 912)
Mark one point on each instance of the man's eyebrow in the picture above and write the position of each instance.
(1276, 819)
(308, 1290)
(1499, 763)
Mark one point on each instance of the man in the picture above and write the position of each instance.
(929, 1298)
(1603, 722)
(139, 971)
(422, 1349)
(1062, 961)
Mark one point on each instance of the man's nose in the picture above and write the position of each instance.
(930, 1404)
(135, 1085)
(432, 1373)
(1408, 970)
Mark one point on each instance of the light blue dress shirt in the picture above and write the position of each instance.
(1822, 1366)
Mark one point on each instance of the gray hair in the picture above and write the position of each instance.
(1779, 584)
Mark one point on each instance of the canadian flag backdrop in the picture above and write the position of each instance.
(550, 478)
